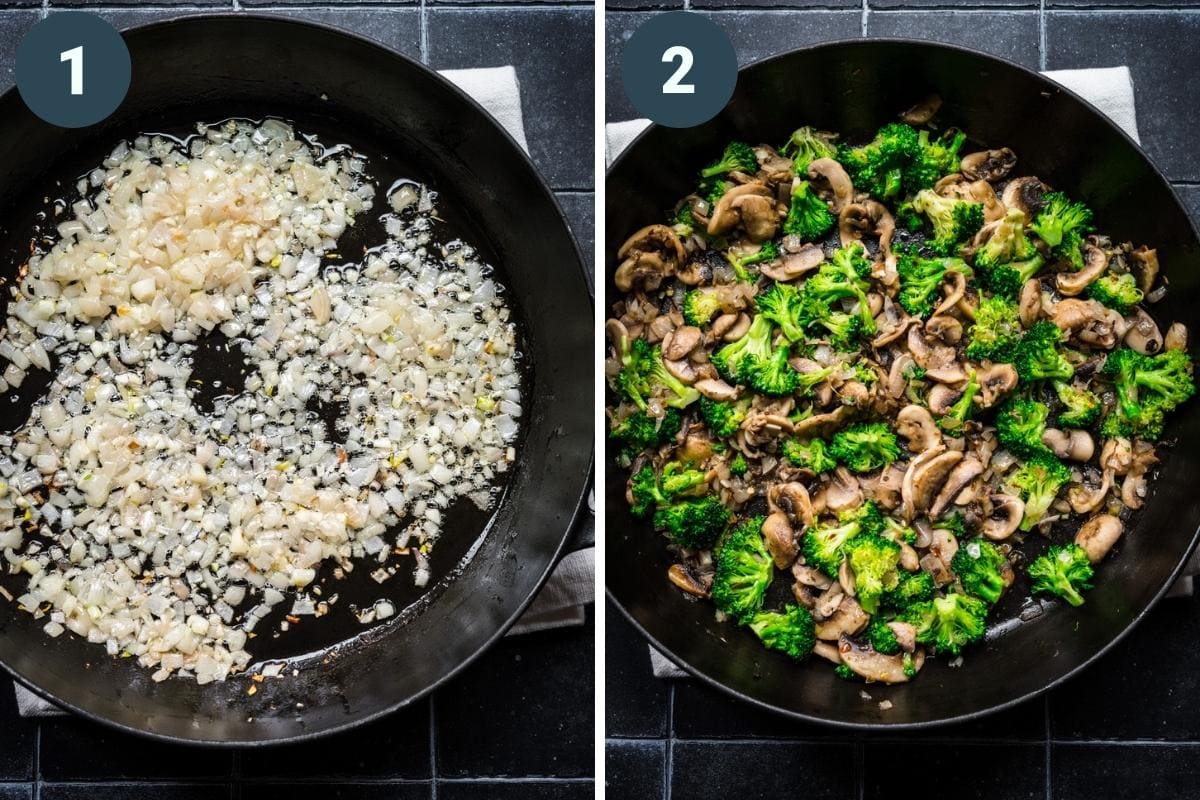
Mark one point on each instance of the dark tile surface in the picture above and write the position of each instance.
(702, 770)
(1158, 47)
(548, 48)
(634, 770)
(577, 206)
(1008, 34)
(139, 791)
(974, 769)
(1086, 772)
(1190, 195)
(17, 739)
(338, 791)
(16, 791)
(538, 692)
(524, 790)
(13, 25)
(636, 700)
(77, 750)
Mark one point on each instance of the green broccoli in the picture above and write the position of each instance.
(684, 223)
(867, 516)
(846, 276)
(1118, 292)
(808, 216)
(643, 372)
(1080, 408)
(774, 376)
(641, 431)
(743, 570)
(1065, 571)
(738, 466)
(953, 420)
(997, 328)
(1007, 280)
(955, 522)
(980, 567)
(882, 637)
(716, 190)
(865, 446)
(842, 329)
(723, 418)
(769, 251)
(898, 532)
(933, 159)
(650, 489)
(738, 157)
(811, 454)
(913, 588)
(920, 279)
(805, 146)
(1036, 356)
(1147, 388)
(1020, 424)
(700, 306)
(875, 561)
(1007, 243)
(948, 623)
(1061, 224)
(781, 304)
(734, 360)
(822, 545)
(908, 218)
(844, 672)
(792, 632)
(693, 523)
(1038, 481)
(878, 167)
(954, 220)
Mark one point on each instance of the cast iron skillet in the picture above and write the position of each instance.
(414, 124)
(853, 87)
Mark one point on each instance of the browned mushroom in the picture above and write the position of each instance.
(954, 286)
(995, 381)
(925, 476)
(1030, 306)
(1095, 262)
(941, 398)
(648, 256)
(1076, 445)
(1098, 535)
(686, 580)
(1025, 195)
(921, 112)
(683, 370)
(1146, 259)
(679, 343)
(1143, 334)
(827, 651)
(822, 425)
(842, 492)
(876, 667)
(739, 328)
(1133, 487)
(697, 448)
(1005, 517)
(780, 539)
(811, 576)
(846, 577)
(794, 265)
(906, 635)
(618, 334)
(1177, 337)
(715, 389)
(898, 375)
(916, 424)
(944, 328)
(988, 165)
(792, 499)
(847, 620)
(975, 191)
(834, 175)
(964, 472)
(750, 205)
(1085, 499)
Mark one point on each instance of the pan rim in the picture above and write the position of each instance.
(576, 501)
(695, 672)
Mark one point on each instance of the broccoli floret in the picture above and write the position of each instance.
(1007, 243)
(867, 516)
(641, 431)
(996, 331)
(1036, 356)
(774, 376)
(865, 446)
(792, 632)
(684, 222)
(920, 279)
(1038, 481)
(980, 568)
(949, 623)
(769, 251)
(738, 466)
(1007, 280)
(742, 570)
(693, 523)
(808, 216)
(781, 304)
(738, 157)
(643, 373)
(842, 329)
(953, 420)
(723, 418)
(716, 190)
(875, 561)
(882, 637)
(1020, 424)
(844, 672)
(649, 489)
(1080, 408)
(878, 167)
(955, 522)
(1061, 224)
(812, 455)
(700, 306)
(1147, 389)
(822, 545)
(898, 532)
(953, 220)
(845, 276)
(908, 218)
(734, 360)
(805, 146)
(913, 588)
(933, 160)
(1118, 292)
(1064, 571)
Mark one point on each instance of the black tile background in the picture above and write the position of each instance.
(518, 724)
(1128, 727)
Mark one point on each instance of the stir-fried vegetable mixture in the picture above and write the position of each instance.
(895, 376)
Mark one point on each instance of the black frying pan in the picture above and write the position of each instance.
(412, 124)
(853, 87)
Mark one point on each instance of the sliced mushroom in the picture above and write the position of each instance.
(944, 546)
(739, 205)
(1098, 535)
(842, 492)
(827, 651)
(829, 601)
(1030, 306)
(972, 190)
(618, 334)
(1095, 262)
(876, 667)
(906, 635)
(833, 174)
(793, 500)
(1177, 337)
(988, 165)
(715, 389)
(648, 256)
(1005, 518)
(1084, 499)
(954, 286)
(897, 379)
(1025, 195)
(680, 342)
(927, 478)
(945, 328)
(682, 577)
(1076, 445)
(682, 370)
(921, 112)
(794, 265)
(739, 328)
(823, 425)
(847, 620)
(964, 472)
(942, 398)
(780, 539)
(1073, 314)
(995, 381)
(916, 424)
(811, 576)
(1133, 487)
(1147, 267)
(1143, 334)
(884, 489)
(846, 577)
(697, 448)
(852, 223)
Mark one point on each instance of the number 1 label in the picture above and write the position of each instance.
(75, 56)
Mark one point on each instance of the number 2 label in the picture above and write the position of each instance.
(673, 85)
(75, 56)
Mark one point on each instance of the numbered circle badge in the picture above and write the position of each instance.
(72, 69)
(679, 69)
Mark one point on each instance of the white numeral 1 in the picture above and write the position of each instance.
(75, 56)
(673, 85)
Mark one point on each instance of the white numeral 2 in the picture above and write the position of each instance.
(673, 85)
(75, 56)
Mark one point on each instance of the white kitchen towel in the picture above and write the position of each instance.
(1109, 89)
(571, 588)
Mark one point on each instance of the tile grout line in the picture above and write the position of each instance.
(424, 44)
(1046, 708)
(37, 762)
(866, 15)
(669, 752)
(1042, 55)
(433, 760)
